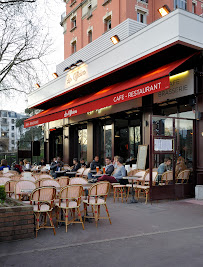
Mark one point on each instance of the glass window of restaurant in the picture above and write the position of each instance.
(179, 127)
(56, 143)
(82, 142)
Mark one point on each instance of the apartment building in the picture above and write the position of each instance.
(86, 20)
(9, 134)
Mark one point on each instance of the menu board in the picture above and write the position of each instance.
(163, 145)
(141, 157)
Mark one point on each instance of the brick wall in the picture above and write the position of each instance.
(16, 222)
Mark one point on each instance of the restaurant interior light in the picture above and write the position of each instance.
(37, 85)
(55, 75)
(164, 10)
(115, 39)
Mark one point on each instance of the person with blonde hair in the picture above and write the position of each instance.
(180, 166)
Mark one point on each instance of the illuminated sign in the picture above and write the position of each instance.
(76, 75)
(181, 84)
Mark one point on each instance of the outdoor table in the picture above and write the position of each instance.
(133, 178)
(71, 174)
(59, 173)
(98, 174)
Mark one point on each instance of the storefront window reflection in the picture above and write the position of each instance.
(108, 140)
(82, 144)
(162, 126)
(134, 140)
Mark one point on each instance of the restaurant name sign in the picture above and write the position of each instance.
(181, 84)
(76, 75)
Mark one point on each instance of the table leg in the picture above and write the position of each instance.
(133, 200)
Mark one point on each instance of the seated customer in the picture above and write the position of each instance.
(76, 165)
(42, 162)
(82, 163)
(55, 166)
(118, 175)
(109, 168)
(163, 167)
(4, 164)
(180, 166)
(95, 163)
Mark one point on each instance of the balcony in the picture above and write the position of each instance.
(63, 15)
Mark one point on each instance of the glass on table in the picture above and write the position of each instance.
(97, 169)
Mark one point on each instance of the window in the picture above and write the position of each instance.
(12, 121)
(4, 114)
(89, 36)
(12, 128)
(73, 23)
(73, 47)
(4, 121)
(193, 8)
(108, 24)
(12, 135)
(89, 11)
(180, 4)
(141, 16)
(12, 142)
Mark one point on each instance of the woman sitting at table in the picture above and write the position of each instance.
(76, 165)
(118, 174)
(180, 166)
(4, 164)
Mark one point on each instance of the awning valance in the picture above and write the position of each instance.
(151, 82)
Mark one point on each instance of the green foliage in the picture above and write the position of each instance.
(2, 193)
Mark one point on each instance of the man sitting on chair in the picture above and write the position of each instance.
(118, 174)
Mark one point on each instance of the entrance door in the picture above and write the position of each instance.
(121, 138)
(172, 139)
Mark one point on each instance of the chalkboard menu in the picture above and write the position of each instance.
(141, 157)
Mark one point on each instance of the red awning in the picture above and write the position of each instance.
(151, 82)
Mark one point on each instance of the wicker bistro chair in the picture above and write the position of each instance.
(32, 179)
(63, 181)
(7, 174)
(3, 180)
(119, 191)
(42, 199)
(183, 176)
(39, 182)
(96, 191)
(42, 176)
(78, 181)
(166, 178)
(141, 180)
(145, 187)
(80, 172)
(10, 188)
(70, 200)
(23, 189)
(85, 173)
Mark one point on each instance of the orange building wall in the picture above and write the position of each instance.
(121, 10)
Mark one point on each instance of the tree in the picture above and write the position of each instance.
(34, 133)
(23, 45)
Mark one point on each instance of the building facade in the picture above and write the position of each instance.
(9, 132)
(145, 90)
(86, 20)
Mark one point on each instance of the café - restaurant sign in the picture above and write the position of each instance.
(181, 84)
(76, 75)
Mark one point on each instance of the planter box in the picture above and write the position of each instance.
(16, 222)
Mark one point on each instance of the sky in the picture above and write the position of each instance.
(17, 101)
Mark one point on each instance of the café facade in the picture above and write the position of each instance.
(110, 98)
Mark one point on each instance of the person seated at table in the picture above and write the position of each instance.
(18, 167)
(118, 174)
(4, 164)
(180, 166)
(163, 167)
(82, 163)
(56, 165)
(76, 165)
(95, 163)
(42, 162)
(109, 168)
(25, 162)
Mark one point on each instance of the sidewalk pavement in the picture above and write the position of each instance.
(162, 234)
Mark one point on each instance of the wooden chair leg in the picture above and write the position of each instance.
(37, 224)
(147, 193)
(121, 194)
(107, 212)
(80, 217)
(96, 214)
(51, 221)
(66, 219)
(128, 193)
(114, 194)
